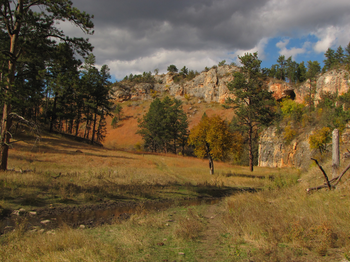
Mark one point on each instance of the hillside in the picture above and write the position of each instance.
(207, 92)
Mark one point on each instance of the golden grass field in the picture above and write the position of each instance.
(278, 221)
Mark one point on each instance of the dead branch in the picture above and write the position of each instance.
(26, 122)
(324, 173)
(328, 182)
(341, 175)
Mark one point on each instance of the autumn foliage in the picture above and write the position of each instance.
(320, 138)
(212, 138)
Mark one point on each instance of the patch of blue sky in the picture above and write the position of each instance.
(301, 49)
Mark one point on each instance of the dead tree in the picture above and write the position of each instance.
(329, 183)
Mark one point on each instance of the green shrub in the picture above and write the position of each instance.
(292, 109)
(319, 139)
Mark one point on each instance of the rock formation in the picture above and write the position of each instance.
(273, 151)
(211, 86)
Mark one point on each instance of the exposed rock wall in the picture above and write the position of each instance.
(274, 152)
(334, 81)
(210, 86)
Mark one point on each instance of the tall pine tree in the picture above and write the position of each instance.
(253, 103)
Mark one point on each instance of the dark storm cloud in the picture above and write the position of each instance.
(130, 30)
(186, 25)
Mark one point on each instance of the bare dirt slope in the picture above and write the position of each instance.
(124, 135)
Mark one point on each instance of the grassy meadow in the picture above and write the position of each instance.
(262, 216)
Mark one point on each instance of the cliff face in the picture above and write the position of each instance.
(211, 86)
(273, 152)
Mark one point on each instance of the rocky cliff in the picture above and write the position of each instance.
(273, 151)
(211, 86)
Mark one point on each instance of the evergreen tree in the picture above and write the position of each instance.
(301, 72)
(339, 56)
(25, 28)
(330, 60)
(172, 69)
(184, 71)
(281, 70)
(347, 55)
(165, 126)
(253, 103)
(313, 70)
(98, 91)
(291, 70)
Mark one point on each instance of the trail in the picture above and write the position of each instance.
(210, 247)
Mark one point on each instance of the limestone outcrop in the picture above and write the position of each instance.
(274, 152)
(210, 86)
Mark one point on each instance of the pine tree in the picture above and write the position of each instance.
(165, 126)
(347, 55)
(313, 68)
(301, 72)
(281, 70)
(26, 29)
(330, 60)
(254, 104)
(339, 56)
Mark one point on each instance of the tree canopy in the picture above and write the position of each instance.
(28, 39)
(253, 103)
(164, 127)
(212, 138)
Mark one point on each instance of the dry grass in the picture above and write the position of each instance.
(190, 226)
(288, 224)
(61, 245)
(145, 237)
(68, 172)
(278, 222)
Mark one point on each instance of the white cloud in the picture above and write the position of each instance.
(327, 36)
(162, 59)
(260, 47)
(292, 52)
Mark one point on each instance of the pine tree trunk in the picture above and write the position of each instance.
(93, 129)
(53, 117)
(77, 123)
(6, 119)
(251, 160)
(5, 135)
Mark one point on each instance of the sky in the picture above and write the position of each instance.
(136, 36)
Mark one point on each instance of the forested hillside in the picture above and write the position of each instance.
(49, 88)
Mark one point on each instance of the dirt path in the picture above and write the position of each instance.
(211, 236)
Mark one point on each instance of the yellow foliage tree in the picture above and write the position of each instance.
(212, 138)
(320, 138)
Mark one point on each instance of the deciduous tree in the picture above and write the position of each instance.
(212, 138)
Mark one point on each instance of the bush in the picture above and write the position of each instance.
(289, 133)
(292, 110)
(114, 122)
(319, 139)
